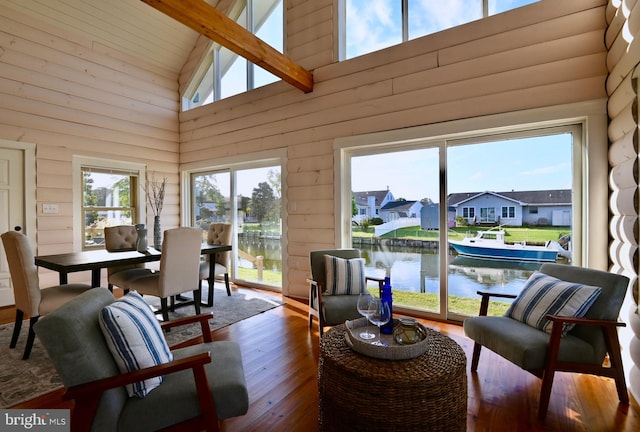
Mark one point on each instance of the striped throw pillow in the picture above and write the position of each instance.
(344, 276)
(135, 339)
(545, 295)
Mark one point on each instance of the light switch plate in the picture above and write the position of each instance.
(49, 208)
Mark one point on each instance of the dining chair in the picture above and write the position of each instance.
(30, 300)
(334, 289)
(218, 234)
(179, 269)
(121, 238)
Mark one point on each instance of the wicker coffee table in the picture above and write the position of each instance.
(360, 393)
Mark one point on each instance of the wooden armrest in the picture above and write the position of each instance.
(484, 302)
(312, 282)
(584, 321)
(374, 279)
(495, 294)
(96, 388)
(203, 319)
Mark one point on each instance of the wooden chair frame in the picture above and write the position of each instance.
(87, 396)
(553, 364)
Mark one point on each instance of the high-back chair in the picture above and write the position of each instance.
(179, 269)
(218, 234)
(332, 301)
(582, 348)
(204, 383)
(29, 298)
(123, 238)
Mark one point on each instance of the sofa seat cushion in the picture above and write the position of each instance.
(338, 309)
(226, 381)
(522, 344)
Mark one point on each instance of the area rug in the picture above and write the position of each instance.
(22, 380)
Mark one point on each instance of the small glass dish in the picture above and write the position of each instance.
(408, 331)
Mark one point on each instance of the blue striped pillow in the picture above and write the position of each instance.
(344, 276)
(135, 339)
(545, 295)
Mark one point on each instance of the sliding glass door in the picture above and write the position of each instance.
(412, 203)
(254, 212)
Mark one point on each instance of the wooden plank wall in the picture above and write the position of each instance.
(71, 97)
(542, 55)
(622, 61)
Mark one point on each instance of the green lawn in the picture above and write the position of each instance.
(429, 302)
(512, 234)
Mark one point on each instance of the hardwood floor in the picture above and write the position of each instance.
(280, 357)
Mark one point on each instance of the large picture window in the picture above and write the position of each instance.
(225, 73)
(370, 26)
(109, 198)
(443, 181)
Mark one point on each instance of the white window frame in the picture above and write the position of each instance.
(78, 162)
(245, 161)
(342, 24)
(212, 63)
(505, 209)
(589, 177)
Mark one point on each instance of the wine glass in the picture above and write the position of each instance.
(381, 315)
(365, 308)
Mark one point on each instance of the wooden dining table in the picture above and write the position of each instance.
(96, 260)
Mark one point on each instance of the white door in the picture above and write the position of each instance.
(11, 209)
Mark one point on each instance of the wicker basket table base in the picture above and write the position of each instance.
(360, 393)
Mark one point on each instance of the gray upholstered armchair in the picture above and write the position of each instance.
(202, 385)
(330, 301)
(556, 347)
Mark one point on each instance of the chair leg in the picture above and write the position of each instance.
(30, 338)
(164, 307)
(613, 347)
(16, 328)
(475, 358)
(545, 393)
(549, 370)
(197, 298)
(226, 283)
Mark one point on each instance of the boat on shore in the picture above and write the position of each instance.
(491, 245)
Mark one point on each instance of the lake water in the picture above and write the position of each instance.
(416, 269)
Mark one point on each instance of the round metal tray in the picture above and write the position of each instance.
(391, 351)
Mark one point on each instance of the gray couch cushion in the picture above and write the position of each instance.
(337, 309)
(522, 344)
(226, 380)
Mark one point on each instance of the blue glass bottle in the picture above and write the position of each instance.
(385, 297)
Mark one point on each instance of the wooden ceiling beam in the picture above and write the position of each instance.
(208, 21)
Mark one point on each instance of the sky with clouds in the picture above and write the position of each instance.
(521, 164)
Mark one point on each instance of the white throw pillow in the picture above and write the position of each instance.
(545, 295)
(344, 276)
(135, 339)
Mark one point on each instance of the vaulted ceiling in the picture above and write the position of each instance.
(129, 26)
